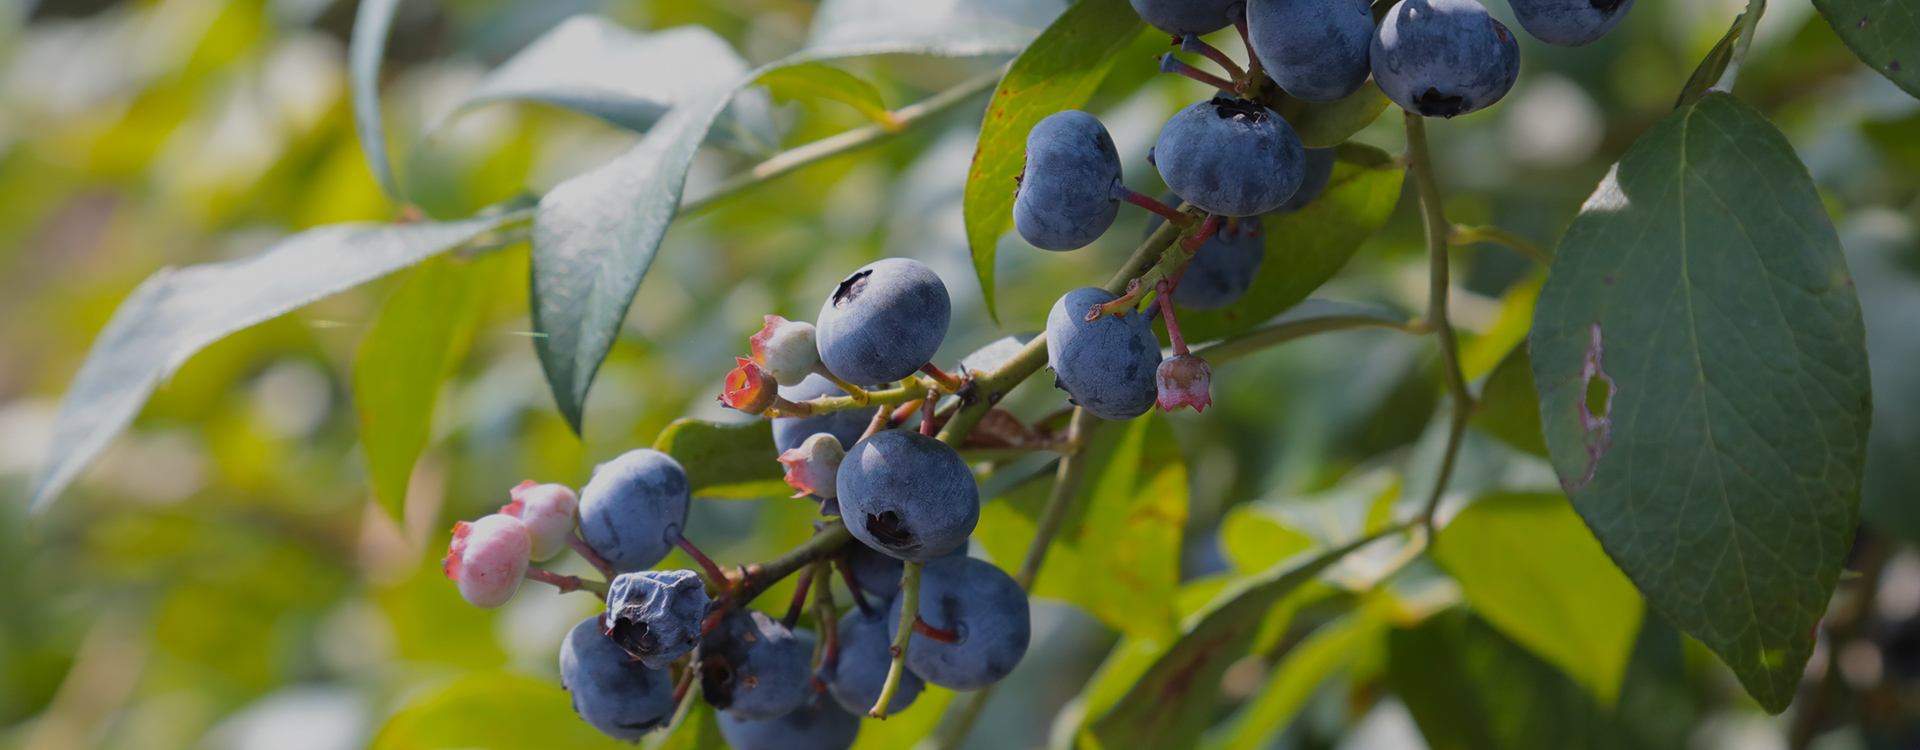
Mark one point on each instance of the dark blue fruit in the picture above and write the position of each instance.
(1318, 171)
(1066, 200)
(1106, 366)
(857, 675)
(1570, 23)
(883, 322)
(753, 667)
(1315, 49)
(984, 607)
(819, 724)
(847, 425)
(1225, 266)
(877, 572)
(1230, 156)
(616, 694)
(633, 508)
(1443, 58)
(1187, 17)
(908, 495)
(655, 615)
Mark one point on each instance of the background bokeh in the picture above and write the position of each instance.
(220, 579)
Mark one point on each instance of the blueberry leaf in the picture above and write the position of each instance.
(1059, 71)
(819, 81)
(724, 460)
(1329, 124)
(178, 311)
(1329, 649)
(1885, 34)
(419, 339)
(1701, 364)
(1712, 66)
(1307, 247)
(1509, 408)
(466, 713)
(371, 24)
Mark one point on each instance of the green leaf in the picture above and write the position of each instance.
(1530, 567)
(371, 24)
(1713, 66)
(1173, 700)
(596, 234)
(1509, 408)
(818, 81)
(1704, 281)
(468, 711)
(420, 338)
(1329, 649)
(1885, 34)
(592, 65)
(1329, 124)
(1058, 72)
(179, 311)
(904, 729)
(726, 460)
(1307, 247)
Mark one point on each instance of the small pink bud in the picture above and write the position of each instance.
(813, 467)
(749, 388)
(488, 559)
(1185, 380)
(785, 349)
(548, 511)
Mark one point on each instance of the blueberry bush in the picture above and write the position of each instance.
(1484, 375)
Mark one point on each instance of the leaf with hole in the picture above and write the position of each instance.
(1701, 364)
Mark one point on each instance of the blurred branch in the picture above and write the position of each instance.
(1420, 160)
(795, 158)
(1282, 331)
(758, 578)
(1465, 235)
(1846, 620)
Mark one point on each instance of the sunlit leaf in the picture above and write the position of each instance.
(1329, 124)
(819, 81)
(1328, 650)
(494, 710)
(371, 23)
(729, 461)
(1884, 33)
(1701, 364)
(1057, 72)
(1509, 408)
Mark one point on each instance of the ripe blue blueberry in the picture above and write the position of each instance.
(1318, 171)
(1187, 17)
(847, 425)
(1443, 58)
(879, 573)
(819, 724)
(908, 495)
(655, 615)
(1106, 366)
(1230, 156)
(1225, 266)
(883, 322)
(1570, 23)
(1315, 49)
(632, 510)
(982, 605)
(619, 696)
(1066, 199)
(860, 670)
(753, 667)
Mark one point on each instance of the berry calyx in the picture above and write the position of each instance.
(750, 388)
(1184, 380)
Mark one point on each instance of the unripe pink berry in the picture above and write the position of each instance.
(1185, 380)
(786, 349)
(749, 388)
(549, 512)
(813, 467)
(488, 558)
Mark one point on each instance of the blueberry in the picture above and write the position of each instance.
(1065, 200)
(883, 322)
(1225, 266)
(847, 425)
(877, 572)
(819, 724)
(860, 670)
(616, 694)
(908, 495)
(1570, 23)
(550, 512)
(1230, 156)
(1107, 366)
(1315, 49)
(1443, 58)
(984, 607)
(633, 509)
(656, 615)
(487, 559)
(753, 667)
(1188, 17)
(1317, 172)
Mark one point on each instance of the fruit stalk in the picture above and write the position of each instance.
(758, 578)
(799, 603)
(1431, 211)
(823, 613)
(1465, 235)
(1749, 21)
(715, 575)
(909, 613)
(853, 584)
(567, 583)
(585, 552)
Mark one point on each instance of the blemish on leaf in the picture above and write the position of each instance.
(1596, 407)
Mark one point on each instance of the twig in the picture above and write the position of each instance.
(909, 613)
(1464, 235)
(1431, 210)
(567, 584)
(758, 578)
(1749, 21)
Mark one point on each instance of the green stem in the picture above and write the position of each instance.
(793, 159)
(1464, 235)
(1435, 218)
(1749, 22)
(759, 578)
(909, 611)
(1066, 485)
(910, 391)
(1275, 334)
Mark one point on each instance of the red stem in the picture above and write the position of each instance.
(799, 598)
(567, 584)
(904, 411)
(585, 552)
(853, 586)
(686, 680)
(882, 419)
(718, 576)
(944, 636)
(1150, 203)
(926, 417)
(1192, 244)
(1166, 313)
(1196, 44)
(948, 381)
(1171, 64)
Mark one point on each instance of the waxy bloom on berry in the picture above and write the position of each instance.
(548, 510)
(488, 558)
(785, 349)
(750, 388)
